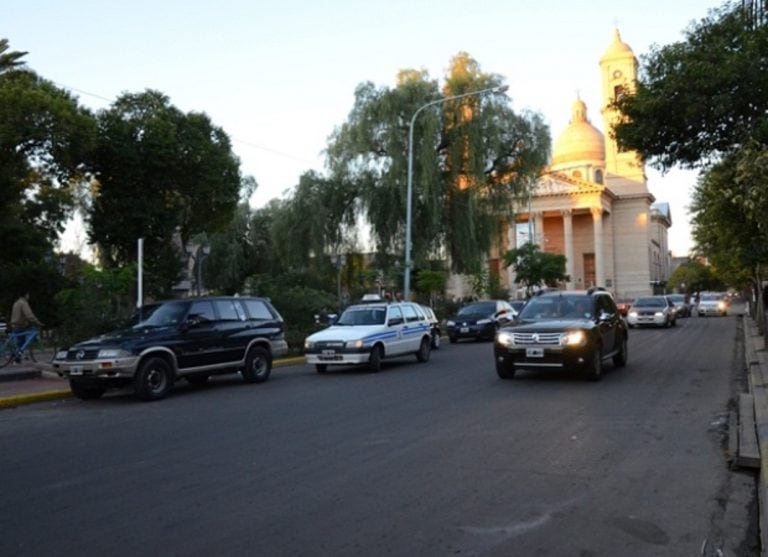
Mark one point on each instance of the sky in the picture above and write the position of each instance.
(279, 77)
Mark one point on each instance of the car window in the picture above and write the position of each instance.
(410, 313)
(167, 314)
(202, 311)
(650, 302)
(482, 308)
(228, 311)
(257, 309)
(395, 313)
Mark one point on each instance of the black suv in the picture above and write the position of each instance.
(192, 338)
(573, 330)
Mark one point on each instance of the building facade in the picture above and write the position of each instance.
(593, 204)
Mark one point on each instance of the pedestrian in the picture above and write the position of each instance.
(23, 319)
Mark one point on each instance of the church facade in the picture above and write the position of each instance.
(593, 204)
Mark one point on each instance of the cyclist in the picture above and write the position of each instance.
(23, 319)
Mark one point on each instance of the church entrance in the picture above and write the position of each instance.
(589, 270)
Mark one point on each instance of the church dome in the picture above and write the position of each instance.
(580, 143)
(617, 49)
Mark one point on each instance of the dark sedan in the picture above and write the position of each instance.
(479, 320)
(569, 330)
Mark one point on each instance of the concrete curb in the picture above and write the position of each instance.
(756, 361)
(13, 401)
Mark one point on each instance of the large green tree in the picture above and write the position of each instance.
(534, 267)
(471, 157)
(162, 175)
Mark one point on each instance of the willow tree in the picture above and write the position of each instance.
(471, 158)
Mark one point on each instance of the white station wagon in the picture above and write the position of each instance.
(369, 333)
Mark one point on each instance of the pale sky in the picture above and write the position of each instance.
(279, 77)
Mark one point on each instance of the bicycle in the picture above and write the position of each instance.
(11, 349)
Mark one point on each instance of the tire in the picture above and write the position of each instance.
(436, 341)
(86, 391)
(424, 350)
(197, 379)
(374, 362)
(321, 368)
(595, 370)
(620, 358)
(505, 370)
(153, 379)
(258, 365)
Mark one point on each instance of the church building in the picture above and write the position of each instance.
(592, 204)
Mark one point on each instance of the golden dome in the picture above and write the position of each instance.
(581, 142)
(617, 49)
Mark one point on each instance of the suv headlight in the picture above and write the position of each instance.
(573, 338)
(110, 353)
(450, 323)
(505, 338)
(308, 344)
(61, 355)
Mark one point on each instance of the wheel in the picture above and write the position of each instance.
(674, 322)
(197, 379)
(620, 358)
(505, 370)
(424, 349)
(436, 341)
(374, 362)
(86, 391)
(153, 379)
(595, 370)
(321, 368)
(453, 340)
(258, 365)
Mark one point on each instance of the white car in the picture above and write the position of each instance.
(712, 303)
(652, 310)
(369, 333)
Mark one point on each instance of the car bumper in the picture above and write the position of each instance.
(472, 331)
(652, 320)
(339, 358)
(705, 311)
(117, 368)
(544, 357)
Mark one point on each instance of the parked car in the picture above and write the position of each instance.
(658, 311)
(370, 333)
(192, 338)
(682, 307)
(712, 303)
(574, 330)
(434, 324)
(479, 320)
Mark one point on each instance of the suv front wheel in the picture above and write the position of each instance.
(258, 365)
(153, 379)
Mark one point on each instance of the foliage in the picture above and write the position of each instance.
(471, 157)
(694, 276)
(534, 267)
(431, 282)
(703, 97)
(163, 176)
(95, 301)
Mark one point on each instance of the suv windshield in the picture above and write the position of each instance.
(363, 315)
(557, 307)
(166, 315)
(482, 308)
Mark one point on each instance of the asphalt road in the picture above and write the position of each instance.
(441, 458)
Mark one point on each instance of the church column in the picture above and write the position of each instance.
(538, 229)
(597, 224)
(512, 243)
(568, 229)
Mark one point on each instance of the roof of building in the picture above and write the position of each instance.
(581, 142)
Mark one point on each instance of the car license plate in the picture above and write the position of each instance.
(534, 352)
(464, 330)
(76, 370)
(328, 354)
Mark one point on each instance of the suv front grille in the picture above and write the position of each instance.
(552, 339)
(75, 355)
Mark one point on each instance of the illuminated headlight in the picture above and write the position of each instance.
(483, 321)
(632, 313)
(109, 353)
(659, 314)
(573, 338)
(308, 344)
(61, 355)
(720, 305)
(450, 323)
(356, 343)
(505, 339)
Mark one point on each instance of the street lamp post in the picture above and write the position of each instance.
(409, 193)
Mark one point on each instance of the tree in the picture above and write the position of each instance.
(9, 60)
(163, 176)
(471, 158)
(534, 267)
(694, 276)
(701, 98)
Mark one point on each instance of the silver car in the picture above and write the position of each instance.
(712, 303)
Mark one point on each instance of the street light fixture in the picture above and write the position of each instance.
(409, 193)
